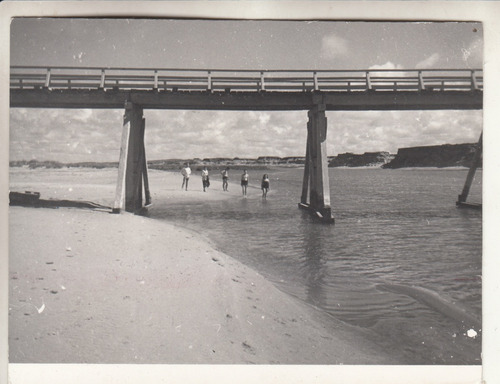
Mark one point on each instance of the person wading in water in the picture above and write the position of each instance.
(205, 179)
(244, 182)
(265, 185)
(225, 177)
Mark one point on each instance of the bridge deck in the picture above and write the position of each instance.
(82, 87)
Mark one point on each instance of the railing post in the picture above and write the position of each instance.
(69, 83)
(262, 87)
(47, 78)
(421, 84)
(103, 79)
(368, 81)
(155, 87)
(315, 77)
(474, 80)
(209, 82)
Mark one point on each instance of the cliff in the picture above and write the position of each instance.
(447, 155)
(367, 159)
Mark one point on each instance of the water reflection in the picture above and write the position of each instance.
(313, 261)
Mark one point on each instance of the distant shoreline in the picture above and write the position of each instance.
(435, 156)
(43, 165)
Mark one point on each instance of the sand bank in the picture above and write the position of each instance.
(93, 287)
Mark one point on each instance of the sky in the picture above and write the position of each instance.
(94, 135)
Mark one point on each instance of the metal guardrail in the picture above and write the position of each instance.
(217, 80)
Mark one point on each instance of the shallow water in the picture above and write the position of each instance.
(401, 259)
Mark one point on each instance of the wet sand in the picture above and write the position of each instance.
(93, 287)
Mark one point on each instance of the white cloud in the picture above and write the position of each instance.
(65, 135)
(428, 62)
(371, 131)
(388, 65)
(473, 54)
(333, 46)
(388, 69)
(45, 134)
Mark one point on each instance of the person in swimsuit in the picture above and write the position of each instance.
(244, 182)
(265, 185)
(204, 178)
(225, 177)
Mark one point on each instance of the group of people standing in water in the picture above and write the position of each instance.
(205, 179)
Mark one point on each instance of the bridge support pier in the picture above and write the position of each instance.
(462, 198)
(316, 181)
(132, 167)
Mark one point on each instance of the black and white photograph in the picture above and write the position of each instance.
(271, 192)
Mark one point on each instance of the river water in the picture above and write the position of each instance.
(400, 261)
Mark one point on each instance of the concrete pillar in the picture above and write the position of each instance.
(316, 166)
(131, 165)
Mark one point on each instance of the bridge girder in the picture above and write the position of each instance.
(262, 101)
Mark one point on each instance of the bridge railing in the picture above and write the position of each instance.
(217, 80)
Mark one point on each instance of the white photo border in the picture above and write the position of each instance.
(486, 12)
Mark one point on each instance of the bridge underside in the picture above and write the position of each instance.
(132, 172)
(240, 100)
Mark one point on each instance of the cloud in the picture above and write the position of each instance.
(473, 54)
(388, 65)
(333, 46)
(371, 131)
(65, 135)
(386, 70)
(428, 62)
(61, 136)
(224, 133)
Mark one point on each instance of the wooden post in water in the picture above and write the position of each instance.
(147, 193)
(462, 198)
(307, 164)
(130, 168)
(316, 166)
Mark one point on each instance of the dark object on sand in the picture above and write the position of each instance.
(32, 199)
(27, 198)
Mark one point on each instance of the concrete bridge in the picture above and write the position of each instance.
(316, 91)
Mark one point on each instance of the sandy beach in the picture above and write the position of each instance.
(87, 286)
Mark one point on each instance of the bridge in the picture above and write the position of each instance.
(316, 91)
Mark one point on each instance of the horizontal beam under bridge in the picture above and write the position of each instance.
(240, 100)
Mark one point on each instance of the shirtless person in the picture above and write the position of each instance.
(244, 182)
(186, 172)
